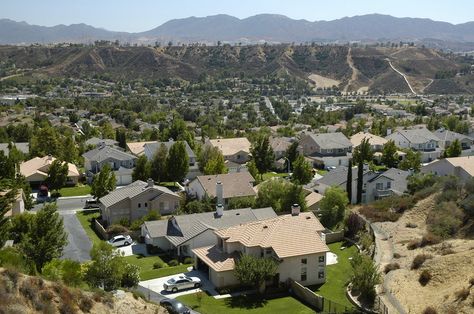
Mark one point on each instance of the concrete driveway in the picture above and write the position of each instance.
(156, 285)
(133, 249)
(79, 245)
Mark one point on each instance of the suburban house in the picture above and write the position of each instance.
(376, 142)
(420, 139)
(138, 148)
(312, 200)
(327, 149)
(461, 167)
(22, 147)
(294, 241)
(376, 185)
(150, 150)
(233, 167)
(181, 234)
(120, 162)
(95, 141)
(233, 149)
(137, 199)
(447, 137)
(222, 186)
(36, 170)
(279, 146)
(18, 204)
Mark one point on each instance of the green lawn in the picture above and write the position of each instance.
(85, 218)
(321, 172)
(337, 275)
(248, 304)
(270, 175)
(75, 190)
(146, 267)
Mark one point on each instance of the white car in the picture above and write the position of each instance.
(120, 240)
(181, 282)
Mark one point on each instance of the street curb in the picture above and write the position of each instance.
(74, 197)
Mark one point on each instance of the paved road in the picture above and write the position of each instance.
(79, 244)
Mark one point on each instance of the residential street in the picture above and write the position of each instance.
(79, 244)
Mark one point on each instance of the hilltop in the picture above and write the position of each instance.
(350, 69)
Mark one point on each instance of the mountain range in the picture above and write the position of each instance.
(256, 29)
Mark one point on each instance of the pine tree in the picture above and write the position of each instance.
(389, 154)
(178, 162)
(362, 154)
(302, 171)
(158, 164)
(103, 182)
(142, 169)
(262, 154)
(349, 181)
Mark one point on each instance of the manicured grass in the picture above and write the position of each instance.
(321, 172)
(270, 175)
(245, 304)
(85, 218)
(337, 275)
(75, 190)
(146, 267)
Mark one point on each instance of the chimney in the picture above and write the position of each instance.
(219, 210)
(50, 158)
(150, 183)
(220, 192)
(295, 209)
(389, 131)
(323, 237)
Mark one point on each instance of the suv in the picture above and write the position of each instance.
(92, 203)
(181, 282)
(120, 240)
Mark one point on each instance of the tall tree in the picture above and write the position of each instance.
(302, 171)
(349, 181)
(412, 160)
(292, 153)
(333, 206)
(178, 162)
(57, 175)
(365, 276)
(390, 155)
(46, 238)
(121, 138)
(255, 271)
(69, 150)
(362, 154)
(280, 194)
(142, 169)
(158, 169)
(211, 160)
(7, 167)
(107, 267)
(6, 202)
(454, 150)
(103, 182)
(262, 154)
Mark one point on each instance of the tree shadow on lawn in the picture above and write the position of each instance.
(246, 302)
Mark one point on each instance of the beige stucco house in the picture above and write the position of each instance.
(36, 170)
(461, 167)
(234, 149)
(295, 241)
(136, 200)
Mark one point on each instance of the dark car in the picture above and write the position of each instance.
(174, 306)
(92, 203)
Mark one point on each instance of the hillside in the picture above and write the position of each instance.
(355, 69)
(20, 293)
(254, 29)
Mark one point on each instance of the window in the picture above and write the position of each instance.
(379, 186)
(146, 204)
(303, 274)
(321, 274)
(139, 205)
(162, 205)
(389, 185)
(321, 259)
(304, 261)
(268, 251)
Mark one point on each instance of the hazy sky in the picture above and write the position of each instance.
(141, 15)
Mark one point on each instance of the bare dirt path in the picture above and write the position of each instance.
(403, 75)
(355, 71)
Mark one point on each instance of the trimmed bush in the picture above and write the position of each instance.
(188, 260)
(419, 260)
(424, 278)
(114, 230)
(158, 265)
(173, 262)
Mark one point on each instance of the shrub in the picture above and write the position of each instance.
(28, 291)
(446, 249)
(413, 244)
(429, 239)
(124, 222)
(114, 230)
(390, 267)
(424, 278)
(131, 276)
(354, 223)
(67, 307)
(471, 281)
(447, 196)
(419, 260)
(422, 194)
(462, 294)
(46, 295)
(13, 275)
(188, 260)
(429, 310)
(85, 303)
(173, 262)
(445, 220)
(396, 255)
(158, 265)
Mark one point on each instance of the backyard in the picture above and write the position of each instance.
(247, 304)
(147, 271)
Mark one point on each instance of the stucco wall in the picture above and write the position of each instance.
(291, 268)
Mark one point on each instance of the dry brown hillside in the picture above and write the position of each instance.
(20, 294)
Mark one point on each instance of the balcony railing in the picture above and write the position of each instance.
(383, 193)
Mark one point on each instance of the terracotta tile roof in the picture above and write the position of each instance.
(231, 146)
(216, 259)
(287, 235)
(357, 138)
(234, 184)
(313, 198)
(138, 148)
(41, 165)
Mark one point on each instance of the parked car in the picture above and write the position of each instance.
(92, 203)
(174, 306)
(181, 282)
(120, 240)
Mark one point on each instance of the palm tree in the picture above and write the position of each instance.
(362, 154)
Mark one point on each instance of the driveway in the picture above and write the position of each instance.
(133, 249)
(156, 285)
(79, 245)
